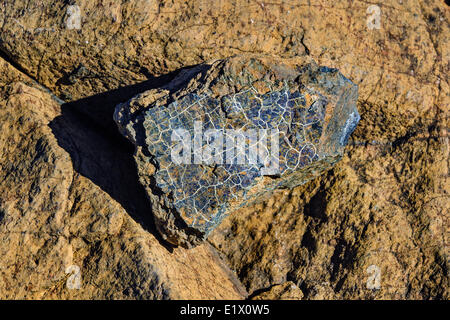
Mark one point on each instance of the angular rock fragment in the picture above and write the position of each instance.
(223, 135)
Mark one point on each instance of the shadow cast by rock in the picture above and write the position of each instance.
(86, 130)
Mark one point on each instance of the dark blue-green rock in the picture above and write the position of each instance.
(224, 135)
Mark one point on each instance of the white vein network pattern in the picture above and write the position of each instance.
(202, 191)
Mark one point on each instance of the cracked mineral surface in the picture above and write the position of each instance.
(225, 134)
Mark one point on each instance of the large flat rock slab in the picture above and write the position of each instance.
(65, 233)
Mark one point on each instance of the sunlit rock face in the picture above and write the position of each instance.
(225, 134)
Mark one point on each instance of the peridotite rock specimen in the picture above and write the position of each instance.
(225, 134)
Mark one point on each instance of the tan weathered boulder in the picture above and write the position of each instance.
(66, 234)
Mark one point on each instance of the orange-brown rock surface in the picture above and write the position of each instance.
(375, 226)
(59, 219)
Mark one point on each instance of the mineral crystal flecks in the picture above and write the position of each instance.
(226, 134)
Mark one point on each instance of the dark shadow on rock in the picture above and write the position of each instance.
(87, 131)
(317, 206)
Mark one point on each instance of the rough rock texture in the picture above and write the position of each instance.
(58, 218)
(285, 291)
(226, 134)
(384, 205)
